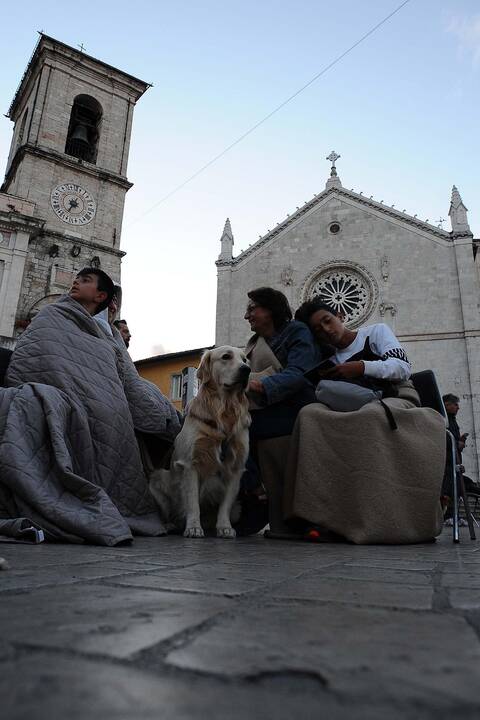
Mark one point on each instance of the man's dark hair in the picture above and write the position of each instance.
(117, 323)
(309, 307)
(104, 284)
(117, 294)
(450, 398)
(275, 301)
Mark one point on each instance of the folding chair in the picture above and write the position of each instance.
(426, 385)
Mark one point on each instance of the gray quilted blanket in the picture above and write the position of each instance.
(69, 459)
(151, 411)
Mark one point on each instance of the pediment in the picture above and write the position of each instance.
(338, 195)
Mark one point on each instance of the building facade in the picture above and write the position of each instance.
(166, 371)
(376, 264)
(62, 200)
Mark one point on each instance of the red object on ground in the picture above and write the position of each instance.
(314, 534)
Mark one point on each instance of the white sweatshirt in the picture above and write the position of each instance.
(394, 363)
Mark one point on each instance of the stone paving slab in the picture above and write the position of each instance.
(30, 556)
(386, 564)
(463, 579)
(395, 575)
(249, 628)
(34, 578)
(98, 619)
(389, 594)
(347, 648)
(97, 692)
(219, 578)
(464, 599)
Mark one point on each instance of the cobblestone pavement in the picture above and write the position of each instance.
(173, 628)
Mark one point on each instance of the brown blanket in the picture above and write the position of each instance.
(350, 473)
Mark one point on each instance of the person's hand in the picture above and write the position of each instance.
(346, 371)
(463, 438)
(256, 386)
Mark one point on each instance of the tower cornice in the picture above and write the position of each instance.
(76, 240)
(21, 223)
(67, 161)
(50, 47)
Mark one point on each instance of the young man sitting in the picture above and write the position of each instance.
(69, 459)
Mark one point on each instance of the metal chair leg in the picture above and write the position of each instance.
(466, 504)
(472, 510)
(456, 534)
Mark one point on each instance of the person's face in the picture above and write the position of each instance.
(326, 327)
(85, 291)
(452, 408)
(125, 333)
(112, 309)
(260, 318)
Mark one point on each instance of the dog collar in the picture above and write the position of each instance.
(210, 423)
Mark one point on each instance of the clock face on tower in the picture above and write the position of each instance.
(73, 204)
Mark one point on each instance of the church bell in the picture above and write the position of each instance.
(79, 144)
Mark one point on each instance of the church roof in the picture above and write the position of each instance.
(46, 40)
(333, 189)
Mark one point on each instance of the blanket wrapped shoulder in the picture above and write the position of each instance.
(151, 411)
(69, 460)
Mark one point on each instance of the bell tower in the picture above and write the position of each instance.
(72, 118)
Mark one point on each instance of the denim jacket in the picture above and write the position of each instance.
(297, 352)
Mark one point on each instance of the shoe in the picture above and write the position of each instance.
(316, 534)
(461, 522)
(254, 515)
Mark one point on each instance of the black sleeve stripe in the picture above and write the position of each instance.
(398, 353)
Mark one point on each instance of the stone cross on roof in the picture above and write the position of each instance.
(333, 157)
(333, 179)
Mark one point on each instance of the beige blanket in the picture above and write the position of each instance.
(263, 362)
(350, 473)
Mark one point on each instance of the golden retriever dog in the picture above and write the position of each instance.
(211, 449)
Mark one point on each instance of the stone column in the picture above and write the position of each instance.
(469, 299)
(12, 284)
(223, 314)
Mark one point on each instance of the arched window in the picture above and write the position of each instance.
(84, 128)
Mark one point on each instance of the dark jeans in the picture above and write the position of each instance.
(269, 422)
(273, 421)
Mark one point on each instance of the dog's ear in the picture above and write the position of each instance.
(204, 372)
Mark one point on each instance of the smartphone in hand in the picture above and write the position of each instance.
(314, 375)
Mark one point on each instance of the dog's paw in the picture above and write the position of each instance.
(193, 532)
(226, 532)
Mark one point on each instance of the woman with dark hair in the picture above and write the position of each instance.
(366, 461)
(280, 351)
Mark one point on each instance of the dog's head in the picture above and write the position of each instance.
(224, 367)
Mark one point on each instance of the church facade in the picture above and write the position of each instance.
(62, 200)
(376, 264)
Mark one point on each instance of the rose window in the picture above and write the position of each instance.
(347, 290)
